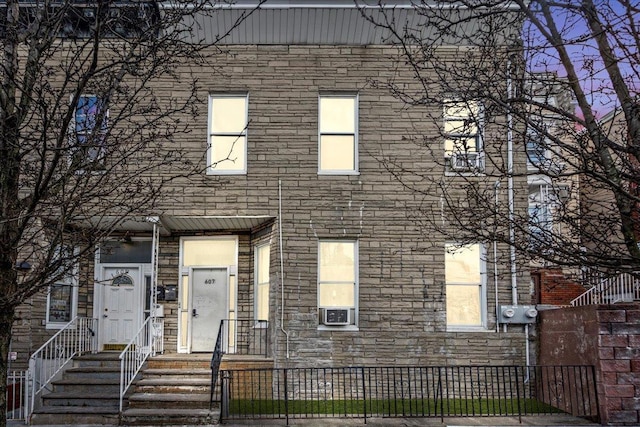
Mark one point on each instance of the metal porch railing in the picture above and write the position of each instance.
(148, 341)
(624, 287)
(75, 338)
(408, 391)
(17, 395)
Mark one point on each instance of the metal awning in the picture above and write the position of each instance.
(170, 224)
(212, 223)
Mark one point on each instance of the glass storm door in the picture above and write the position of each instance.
(120, 308)
(208, 306)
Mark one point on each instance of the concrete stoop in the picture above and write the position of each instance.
(88, 393)
(173, 390)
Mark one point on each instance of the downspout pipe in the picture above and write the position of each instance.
(510, 189)
(284, 331)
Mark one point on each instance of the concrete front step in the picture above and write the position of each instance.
(108, 359)
(95, 399)
(90, 372)
(175, 374)
(86, 385)
(160, 417)
(60, 415)
(169, 400)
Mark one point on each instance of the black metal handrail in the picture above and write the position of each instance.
(408, 391)
(216, 359)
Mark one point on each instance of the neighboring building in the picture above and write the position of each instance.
(294, 225)
(554, 193)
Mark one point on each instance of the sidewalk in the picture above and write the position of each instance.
(540, 420)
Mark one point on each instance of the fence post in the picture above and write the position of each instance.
(518, 395)
(440, 393)
(286, 395)
(364, 393)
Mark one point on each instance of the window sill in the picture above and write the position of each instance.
(338, 173)
(56, 325)
(468, 329)
(230, 173)
(347, 328)
(478, 173)
(260, 324)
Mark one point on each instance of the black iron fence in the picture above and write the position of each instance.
(431, 391)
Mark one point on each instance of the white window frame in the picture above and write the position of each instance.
(354, 134)
(356, 262)
(211, 133)
(258, 285)
(478, 149)
(482, 290)
(70, 280)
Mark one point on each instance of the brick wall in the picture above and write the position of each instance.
(608, 337)
(554, 288)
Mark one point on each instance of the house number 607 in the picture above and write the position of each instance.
(209, 281)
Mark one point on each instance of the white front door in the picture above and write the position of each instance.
(208, 305)
(121, 308)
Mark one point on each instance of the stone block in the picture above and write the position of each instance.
(613, 340)
(622, 391)
(614, 316)
(615, 365)
(623, 417)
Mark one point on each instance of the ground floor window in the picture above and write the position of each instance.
(337, 283)
(465, 290)
(262, 256)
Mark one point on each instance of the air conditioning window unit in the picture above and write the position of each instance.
(336, 316)
(466, 161)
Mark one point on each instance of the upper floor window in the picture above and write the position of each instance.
(262, 282)
(228, 119)
(337, 282)
(463, 135)
(338, 134)
(465, 282)
(90, 124)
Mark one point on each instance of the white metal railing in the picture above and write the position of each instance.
(624, 287)
(17, 395)
(75, 338)
(148, 341)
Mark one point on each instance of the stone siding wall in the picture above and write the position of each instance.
(401, 292)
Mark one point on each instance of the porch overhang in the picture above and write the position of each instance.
(184, 224)
(177, 224)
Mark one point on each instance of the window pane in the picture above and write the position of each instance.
(463, 265)
(337, 295)
(464, 127)
(337, 152)
(262, 302)
(463, 305)
(337, 114)
(337, 262)
(229, 115)
(60, 303)
(462, 109)
(461, 145)
(263, 264)
(209, 252)
(227, 152)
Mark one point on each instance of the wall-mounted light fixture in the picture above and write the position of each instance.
(23, 266)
